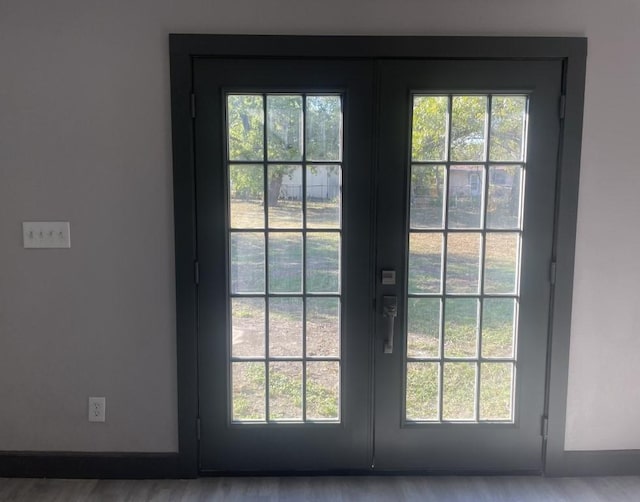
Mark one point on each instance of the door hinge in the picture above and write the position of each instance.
(198, 428)
(544, 427)
(563, 105)
(196, 272)
(193, 105)
(552, 272)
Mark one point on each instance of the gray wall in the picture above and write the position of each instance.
(85, 137)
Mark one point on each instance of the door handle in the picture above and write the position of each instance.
(389, 312)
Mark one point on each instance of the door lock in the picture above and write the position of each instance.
(390, 312)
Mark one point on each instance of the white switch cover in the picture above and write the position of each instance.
(46, 234)
(97, 409)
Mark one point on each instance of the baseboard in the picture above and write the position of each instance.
(169, 466)
(594, 463)
(91, 465)
(366, 472)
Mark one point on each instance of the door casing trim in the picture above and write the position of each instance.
(184, 48)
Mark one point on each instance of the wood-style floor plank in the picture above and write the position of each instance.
(330, 488)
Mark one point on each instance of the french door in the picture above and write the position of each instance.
(374, 240)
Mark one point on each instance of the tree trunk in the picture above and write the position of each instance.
(275, 183)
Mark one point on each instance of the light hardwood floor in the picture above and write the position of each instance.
(383, 488)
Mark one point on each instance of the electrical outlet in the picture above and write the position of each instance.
(97, 408)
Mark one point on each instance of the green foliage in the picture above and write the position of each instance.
(427, 184)
(284, 128)
(468, 115)
(245, 117)
(467, 143)
(246, 131)
(324, 128)
(246, 124)
(507, 127)
(246, 182)
(429, 126)
(429, 129)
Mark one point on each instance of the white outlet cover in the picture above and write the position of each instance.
(97, 409)
(46, 234)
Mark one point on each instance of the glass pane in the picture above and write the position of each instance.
(247, 327)
(500, 263)
(468, 117)
(466, 190)
(323, 390)
(248, 391)
(459, 391)
(508, 119)
(324, 187)
(422, 391)
(324, 128)
(463, 263)
(503, 206)
(247, 262)
(425, 262)
(498, 315)
(423, 331)
(323, 327)
(427, 196)
(429, 128)
(284, 127)
(461, 327)
(323, 262)
(285, 391)
(285, 196)
(245, 114)
(496, 381)
(285, 262)
(285, 327)
(246, 187)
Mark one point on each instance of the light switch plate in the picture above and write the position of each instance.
(46, 234)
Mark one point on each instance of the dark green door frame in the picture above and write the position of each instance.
(185, 48)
